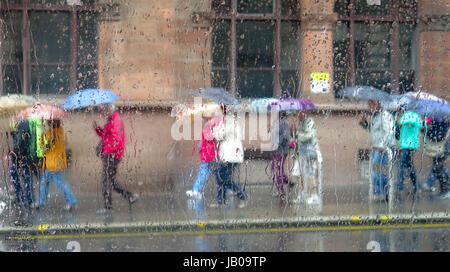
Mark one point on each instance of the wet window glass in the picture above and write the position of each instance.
(12, 52)
(224, 126)
(368, 7)
(255, 6)
(289, 7)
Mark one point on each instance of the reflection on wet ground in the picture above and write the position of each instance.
(395, 240)
(338, 201)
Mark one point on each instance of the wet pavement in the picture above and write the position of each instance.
(176, 208)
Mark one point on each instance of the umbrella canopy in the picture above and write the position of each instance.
(218, 95)
(207, 109)
(440, 112)
(397, 102)
(12, 103)
(262, 104)
(89, 97)
(40, 111)
(424, 96)
(364, 93)
(293, 104)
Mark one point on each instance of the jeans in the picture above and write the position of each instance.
(439, 172)
(204, 172)
(21, 172)
(224, 177)
(109, 182)
(406, 164)
(58, 179)
(434, 175)
(381, 161)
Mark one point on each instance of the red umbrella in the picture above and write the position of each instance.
(40, 111)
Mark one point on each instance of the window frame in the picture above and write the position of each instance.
(395, 19)
(276, 16)
(25, 8)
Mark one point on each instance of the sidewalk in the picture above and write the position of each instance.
(343, 205)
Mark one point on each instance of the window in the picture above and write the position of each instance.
(373, 44)
(256, 50)
(48, 46)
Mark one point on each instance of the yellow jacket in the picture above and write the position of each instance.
(55, 155)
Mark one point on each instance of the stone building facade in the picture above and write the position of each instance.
(154, 53)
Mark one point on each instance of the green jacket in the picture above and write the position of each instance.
(38, 138)
(411, 125)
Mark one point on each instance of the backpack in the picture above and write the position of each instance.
(22, 141)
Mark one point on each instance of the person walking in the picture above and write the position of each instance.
(410, 126)
(21, 170)
(54, 165)
(307, 159)
(231, 153)
(382, 139)
(208, 156)
(279, 156)
(438, 148)
(111, 152)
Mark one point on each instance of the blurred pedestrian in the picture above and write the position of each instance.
(208, 156)
(438, 148)
(307, 159)
(22, 162)
(279, 156)
(411, 125)
(231, 152)
(111, 151)
(382, 139)
(55, 163)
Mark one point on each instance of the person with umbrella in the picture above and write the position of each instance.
(279, 156)
(438, 148)
(32, 142)
(112, 144)
(231, 153)
(55, 163)
(208, 155)
(411, 125)
(112, 150)
(308, 159)
(382, 138)
(22, 163)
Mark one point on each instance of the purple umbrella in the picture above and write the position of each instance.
(293, 104)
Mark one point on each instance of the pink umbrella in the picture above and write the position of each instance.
(40, 111)
(425, 96)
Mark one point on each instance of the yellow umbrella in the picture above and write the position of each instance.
(10, 104)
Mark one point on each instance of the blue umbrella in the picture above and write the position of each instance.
(397, 102)
(364, 93)
(89, 97)
(439, 112)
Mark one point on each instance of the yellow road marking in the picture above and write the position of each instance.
(238, 231)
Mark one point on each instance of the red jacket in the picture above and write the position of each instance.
(113, 136)
(209, 145)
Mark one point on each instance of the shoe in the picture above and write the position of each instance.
(428, 188)
(104, 211)
(133, 198)
(444, 195)
(313, 200)
(35, 206)
(298, 200)
(194, 194)
(242, 204)
(215, 205)
(68, 207)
